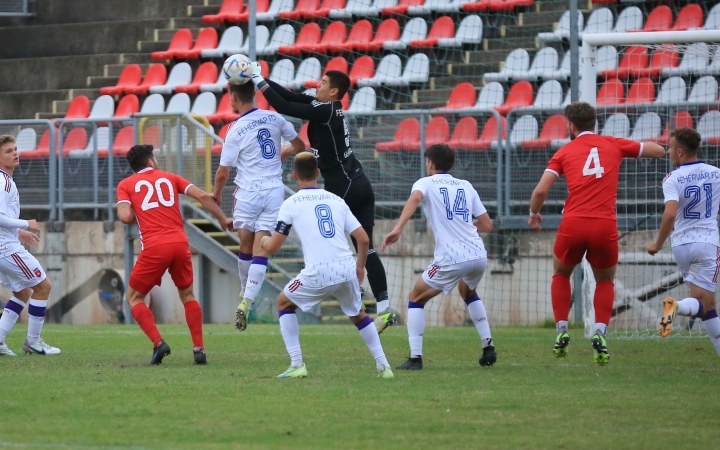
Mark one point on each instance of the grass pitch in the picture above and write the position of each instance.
(100, 393)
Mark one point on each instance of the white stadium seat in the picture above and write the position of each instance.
(205, 104)
(217, 86)
(617, 125)
(607, 58)
(431, 6)
(415, 29)
(648, 126)
(180, 74)
(544, 64)
(705, 90)
(103, 143)
(363, 101)
(275, 7)
(469, 32)
(709, 125)
(26, 140)
(714, 67)
(712, 22)
(283, 73)
(358, 7)
(389, 69)
(309, 70)
(516, 64)
(563, 29)
(232, 38)
(417, 70)
(695, 60)
(261, 39)
(631, 18)
(673, 90)
(283, 35)
(179, 103)
(104, 107)
(153, 104)
(492, 94)
(600, 21)
(561, 73)
(525, 129)
(549, 95)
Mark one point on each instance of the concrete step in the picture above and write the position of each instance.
(425, 95)
(488, 57)
(543, 17)
(472, 70)
(515, 31)
(114, 70)
(24, 104)
(152, 46)
(185, 22)
(452, 81)
(98, 82)
(376, 134)
(136, 58)
(429, 104)
(166, 34)
(558, 5)
(201, 10)
(509, 44)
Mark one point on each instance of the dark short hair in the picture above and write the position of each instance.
(442, 156)
(138, 156)
(687, 138)
(339, 81)
(245, 92)
(306, 166)
(581, 114)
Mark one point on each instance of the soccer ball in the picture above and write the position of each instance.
(237, 69)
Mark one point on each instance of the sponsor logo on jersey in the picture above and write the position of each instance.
(37, 272)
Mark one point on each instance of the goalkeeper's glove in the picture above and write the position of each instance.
(257, 77)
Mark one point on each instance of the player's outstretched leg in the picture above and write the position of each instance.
(11, 312)
(670, 310)
(416, 329)
(370, 335)
(290, 330)
(34, 344)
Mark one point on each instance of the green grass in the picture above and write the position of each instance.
(100, 393)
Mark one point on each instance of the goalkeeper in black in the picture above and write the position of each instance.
(329, 137)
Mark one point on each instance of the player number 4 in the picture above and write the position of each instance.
(592, 164)
(147, 204)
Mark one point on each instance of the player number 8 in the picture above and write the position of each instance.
(325, 223)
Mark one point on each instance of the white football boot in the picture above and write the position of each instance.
(40, 348)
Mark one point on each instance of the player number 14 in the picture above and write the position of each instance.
(592, 164)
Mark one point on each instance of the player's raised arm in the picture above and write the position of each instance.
(303, 109)
(407, 212)
(652, 150)
(538, 198)
(208, 202)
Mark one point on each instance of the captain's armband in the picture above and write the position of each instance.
(283, 228)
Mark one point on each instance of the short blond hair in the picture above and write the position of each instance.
(5, 139)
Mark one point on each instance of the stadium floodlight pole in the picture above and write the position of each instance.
(574, 62)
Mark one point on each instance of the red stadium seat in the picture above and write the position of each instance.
(224, 111)
(76, 139)
(338, 63)
(155, 76)
(303, 134)
(401, 8)
(521, 94)
(363, 67)
(659, 19)
(665, 56)
(489, 134)
(345, 101)
(181, 42)
(604, 2)
(407, 134)
(261, 101)
(691, 16)
(389, 30)
(79, 108)
(680, 119)
(360, 33)
(129, 104)
(325, 8)
(635, 57)
(335, 35)
(309, 35)
(207, 73)
(464, 134)
(229, 11)
(261, 6)
(495, 5)
(442, 28)
(264, 69)
(555, 127)
(612, 92)
(641, 91)
(303, 8)
(129, 77)
(122, 143)
(207, 39)
(43, 148)
(462, 96)
(217, 147)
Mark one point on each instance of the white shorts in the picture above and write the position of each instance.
(257, 210)
(20, 270)
(305, 296)
(699, 264)
(445, 278)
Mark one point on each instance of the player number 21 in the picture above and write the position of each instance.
(147, 204)
(593, 160)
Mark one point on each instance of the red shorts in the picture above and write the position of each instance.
(597, 237)
(153, 262)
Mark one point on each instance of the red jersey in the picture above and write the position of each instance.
(153, 195)
(591, 165)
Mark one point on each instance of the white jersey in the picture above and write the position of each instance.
(696, 187)
(450, 205)
(9, 207)
(321, 219)
(252, 145)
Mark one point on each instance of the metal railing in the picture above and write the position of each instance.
(15, 8)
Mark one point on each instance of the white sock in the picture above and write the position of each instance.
(36, 319)
(476, 308)
(244, 261)
(383, 305)
(372, 340)
(689, 307)
(290, 331)
(601, 327)
(712, 326)
(12, 311)
(416, 328)
(561, 326)
(256, 276)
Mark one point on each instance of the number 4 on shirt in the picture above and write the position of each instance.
(592, 164)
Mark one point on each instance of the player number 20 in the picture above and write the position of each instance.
(592, 164)
(325, 223)
(165, 201)
(267, 146)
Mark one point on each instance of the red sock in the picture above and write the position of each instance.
(603, 301)
(561, 295)
(144, 317)
(193, 317)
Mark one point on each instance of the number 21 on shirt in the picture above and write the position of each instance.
(592, 164)
(165, 201)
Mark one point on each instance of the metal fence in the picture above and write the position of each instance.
(15, 8)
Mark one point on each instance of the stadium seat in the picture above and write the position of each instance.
(406, 135)
(207, 39)
(205, 74)
(695, 60)
(101, 138)
(283, 73)
(659, 19)
(517, 63)
(309, 70)
(705, 90)
(604, 2)
(79, 108)
(415, 29)
(673, 90)
(612, 92)
(664, 57)
(156, 75)
(180, 74)
(401, 8)
(554, 130)
(218, 86)
(335, 35)
(231, 39)
(261, 9)
(360, 33)
(229, 10)
(261, 40)
(437, 131)
(76, 139)
(304, 9)
(178, 104)
(489, 136)
(713, 68)
(462, 96)
(417, 70)
(284, 35)
(388, 30)
(435, 6)
(648, 126)
(217, 147)
(491, 95)
(607, 58)
(469, 32)
(103, 107)
(338, 63)
(600, 21)
(549, 95)
(363, 68)
(224, 112)
(276, 6)
(357, 7)
(493, 5)
(543, 65)
(26, 140)
(181, 41)
(43, 147)
(205, 104)
(617, 125)
(563, 29)
(689, 18)
(326, 7)
(680, 119)
(634, 58)
(562, 73)
(389, 69)
(712, 22)
(309, 35)
(442, 28)
(364, 101)
(261, 101)
(521, 94)
(153, 104)
(129, 77)
(127, 105)
(709, 127)
(630, 19)
(524, 129)
(641, 91)
(464, 134)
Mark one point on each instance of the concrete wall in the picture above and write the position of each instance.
(49, 73)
